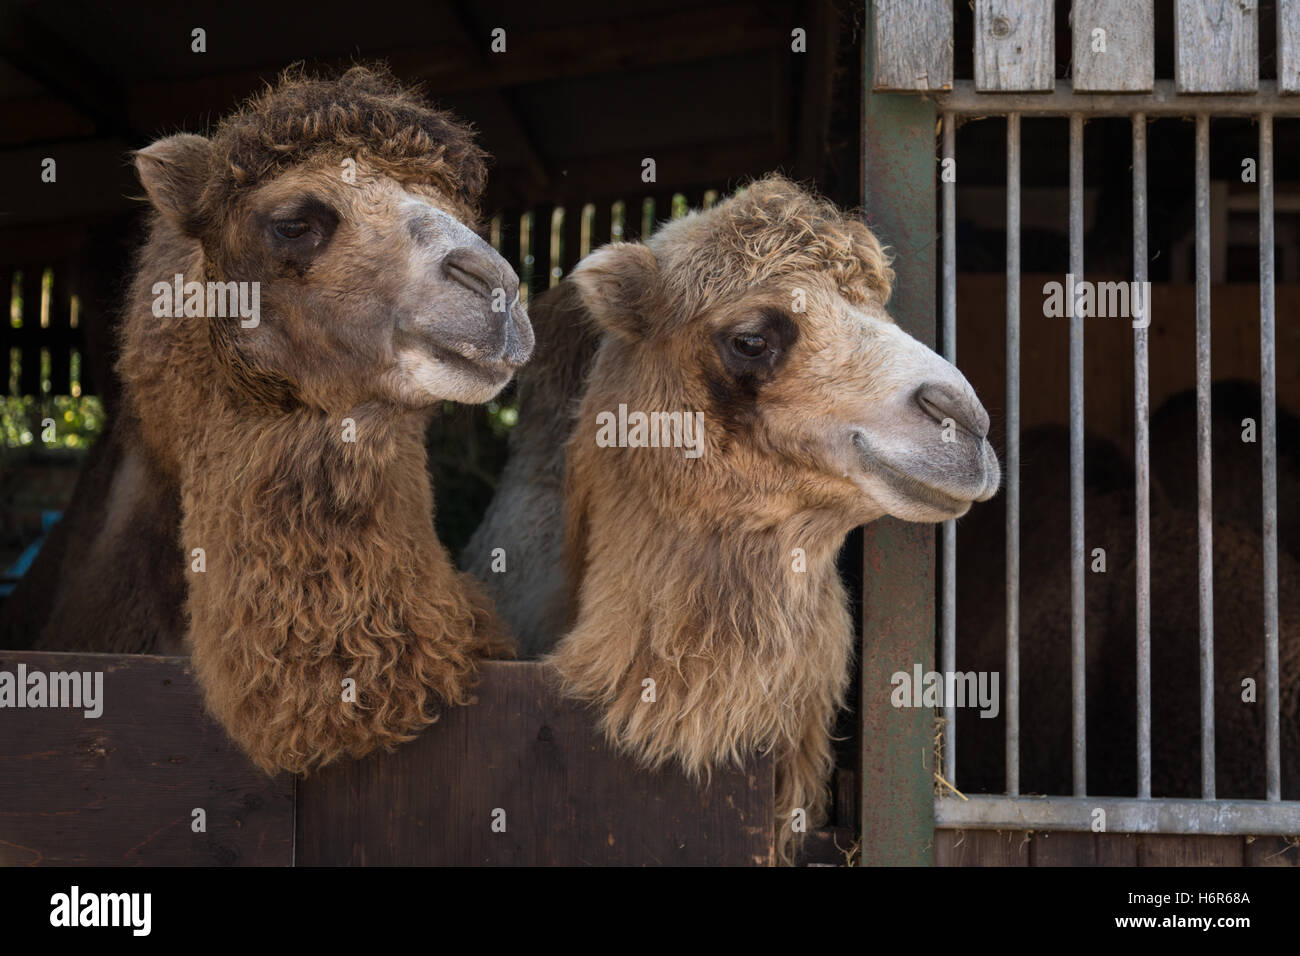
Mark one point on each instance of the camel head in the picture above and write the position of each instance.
(767, 314)
(351, 204)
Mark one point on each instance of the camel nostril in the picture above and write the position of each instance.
(479, 273)
(942, 402)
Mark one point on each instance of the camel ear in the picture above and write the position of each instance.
(617, 283)
(174, 171)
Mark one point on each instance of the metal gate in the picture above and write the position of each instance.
(910, 61)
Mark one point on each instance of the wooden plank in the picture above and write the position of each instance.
(570, 250)
(1288, 46)
(120, 789)
(1065, 848)
(1015, 46)
(540, 242)
(897, 761)
(29, 376)
(61, 336)
(631, 217)
(601, 223)
(982, 847)
(8, 335)
(1114, 45)
(1172, 850)
(663, 207)
(528, 757)
(1216, 46)
(1272, 851)
(510, 238)
(913, 45)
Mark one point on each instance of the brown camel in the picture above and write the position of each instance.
(286, 439)
(709, 621)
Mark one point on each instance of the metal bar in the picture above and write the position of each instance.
(1078, 684)
(1013, 455)
(1268, 422)
(1123, 815)
(1142, 458)
(1204, 509)
(964, 100)
(949, 339)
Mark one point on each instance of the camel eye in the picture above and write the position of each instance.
(290, 228)
(749, 345)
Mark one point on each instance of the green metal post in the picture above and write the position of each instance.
(898, 192)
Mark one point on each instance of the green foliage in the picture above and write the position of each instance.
(78, 421)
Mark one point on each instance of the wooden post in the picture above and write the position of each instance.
(898, 592)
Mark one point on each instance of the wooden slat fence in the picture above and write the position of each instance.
(520, 777)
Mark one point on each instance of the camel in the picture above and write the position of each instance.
(708, 621)
(517, 550)
(275, 455)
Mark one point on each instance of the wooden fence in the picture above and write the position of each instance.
(42, 324)
(520, 777)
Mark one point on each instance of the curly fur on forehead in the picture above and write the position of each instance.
(770, 229)
(365, 114)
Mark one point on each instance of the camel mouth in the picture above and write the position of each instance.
(497, 371)
(929, 487)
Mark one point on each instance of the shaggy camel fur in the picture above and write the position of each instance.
(709, 621)
(325, 618)
(1045, 711)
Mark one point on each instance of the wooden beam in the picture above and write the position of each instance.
(512, 125)
(722, 165)
(30, 48)
(611, 46)
(616, 46)
(818, 86)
